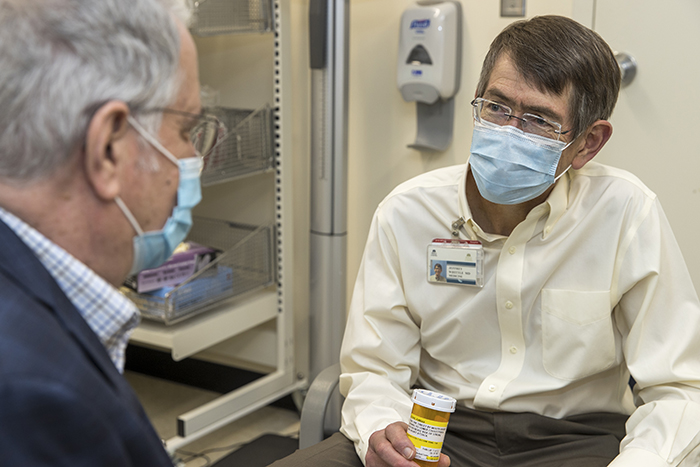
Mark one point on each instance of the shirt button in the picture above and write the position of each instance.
(509, 304)
(492, 388)
(513, 350)
(547, 230)
(511, 250)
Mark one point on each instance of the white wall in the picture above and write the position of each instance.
(656, 122)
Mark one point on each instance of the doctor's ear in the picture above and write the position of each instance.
(593, 140)
(106, 149)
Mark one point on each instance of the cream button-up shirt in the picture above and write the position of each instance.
(590, 288)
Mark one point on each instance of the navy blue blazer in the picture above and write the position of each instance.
(62, 401)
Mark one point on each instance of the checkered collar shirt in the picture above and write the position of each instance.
(109, 314)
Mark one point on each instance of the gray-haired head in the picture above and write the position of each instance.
(555, 52)
(61, 59)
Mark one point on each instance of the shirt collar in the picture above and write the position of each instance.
(473, 229)
(110, 315)
(557, 203)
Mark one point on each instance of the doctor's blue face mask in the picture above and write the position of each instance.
(151, 249)
(510, 166)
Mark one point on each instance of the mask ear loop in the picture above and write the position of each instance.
(567, 169)
(130, 217)
(153, 141)
(156, 144)
(562, 174)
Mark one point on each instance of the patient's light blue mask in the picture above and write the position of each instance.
(511, 166)
(151, 249)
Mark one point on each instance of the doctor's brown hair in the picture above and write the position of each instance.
(555, 52)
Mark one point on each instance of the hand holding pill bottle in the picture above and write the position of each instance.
(428, 424)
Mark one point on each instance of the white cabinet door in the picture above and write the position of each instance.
(657, 120)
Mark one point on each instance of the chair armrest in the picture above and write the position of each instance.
(313, 413)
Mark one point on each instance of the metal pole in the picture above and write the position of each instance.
(328, 38)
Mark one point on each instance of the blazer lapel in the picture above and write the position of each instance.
(19, 264)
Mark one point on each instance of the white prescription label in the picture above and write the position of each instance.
(427, 436)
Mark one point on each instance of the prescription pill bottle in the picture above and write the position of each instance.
(428, 424)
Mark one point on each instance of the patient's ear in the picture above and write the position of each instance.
(594, 139)
(106, 149)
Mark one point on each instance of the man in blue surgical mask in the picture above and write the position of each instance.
(101, 138)
(562, 280)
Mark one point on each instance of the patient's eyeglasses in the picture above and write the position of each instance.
(206, 131)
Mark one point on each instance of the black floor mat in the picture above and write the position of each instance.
(260, 452)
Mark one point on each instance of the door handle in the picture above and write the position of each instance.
(628, 67)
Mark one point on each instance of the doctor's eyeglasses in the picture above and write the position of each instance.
(499, 114)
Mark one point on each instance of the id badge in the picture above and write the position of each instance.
(456, 262)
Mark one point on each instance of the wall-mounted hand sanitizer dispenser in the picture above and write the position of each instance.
(430, 58)
(429, 68)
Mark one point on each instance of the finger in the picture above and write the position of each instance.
(381, 452)
(373, 460)
(396, 434)
(444, 461)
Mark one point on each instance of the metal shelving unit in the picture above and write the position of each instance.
(245, 264)
(263, 306)
(247, 148)
(212, 17)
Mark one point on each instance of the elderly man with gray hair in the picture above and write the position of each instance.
(100, 155)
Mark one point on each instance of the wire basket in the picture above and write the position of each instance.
(246, 149)
(246, 264)
(211, 17)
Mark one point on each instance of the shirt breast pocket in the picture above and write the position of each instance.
(577, 333)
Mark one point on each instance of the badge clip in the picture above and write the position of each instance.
(456, 226)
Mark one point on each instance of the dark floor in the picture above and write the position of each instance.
(168, 389)
(261, 452)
